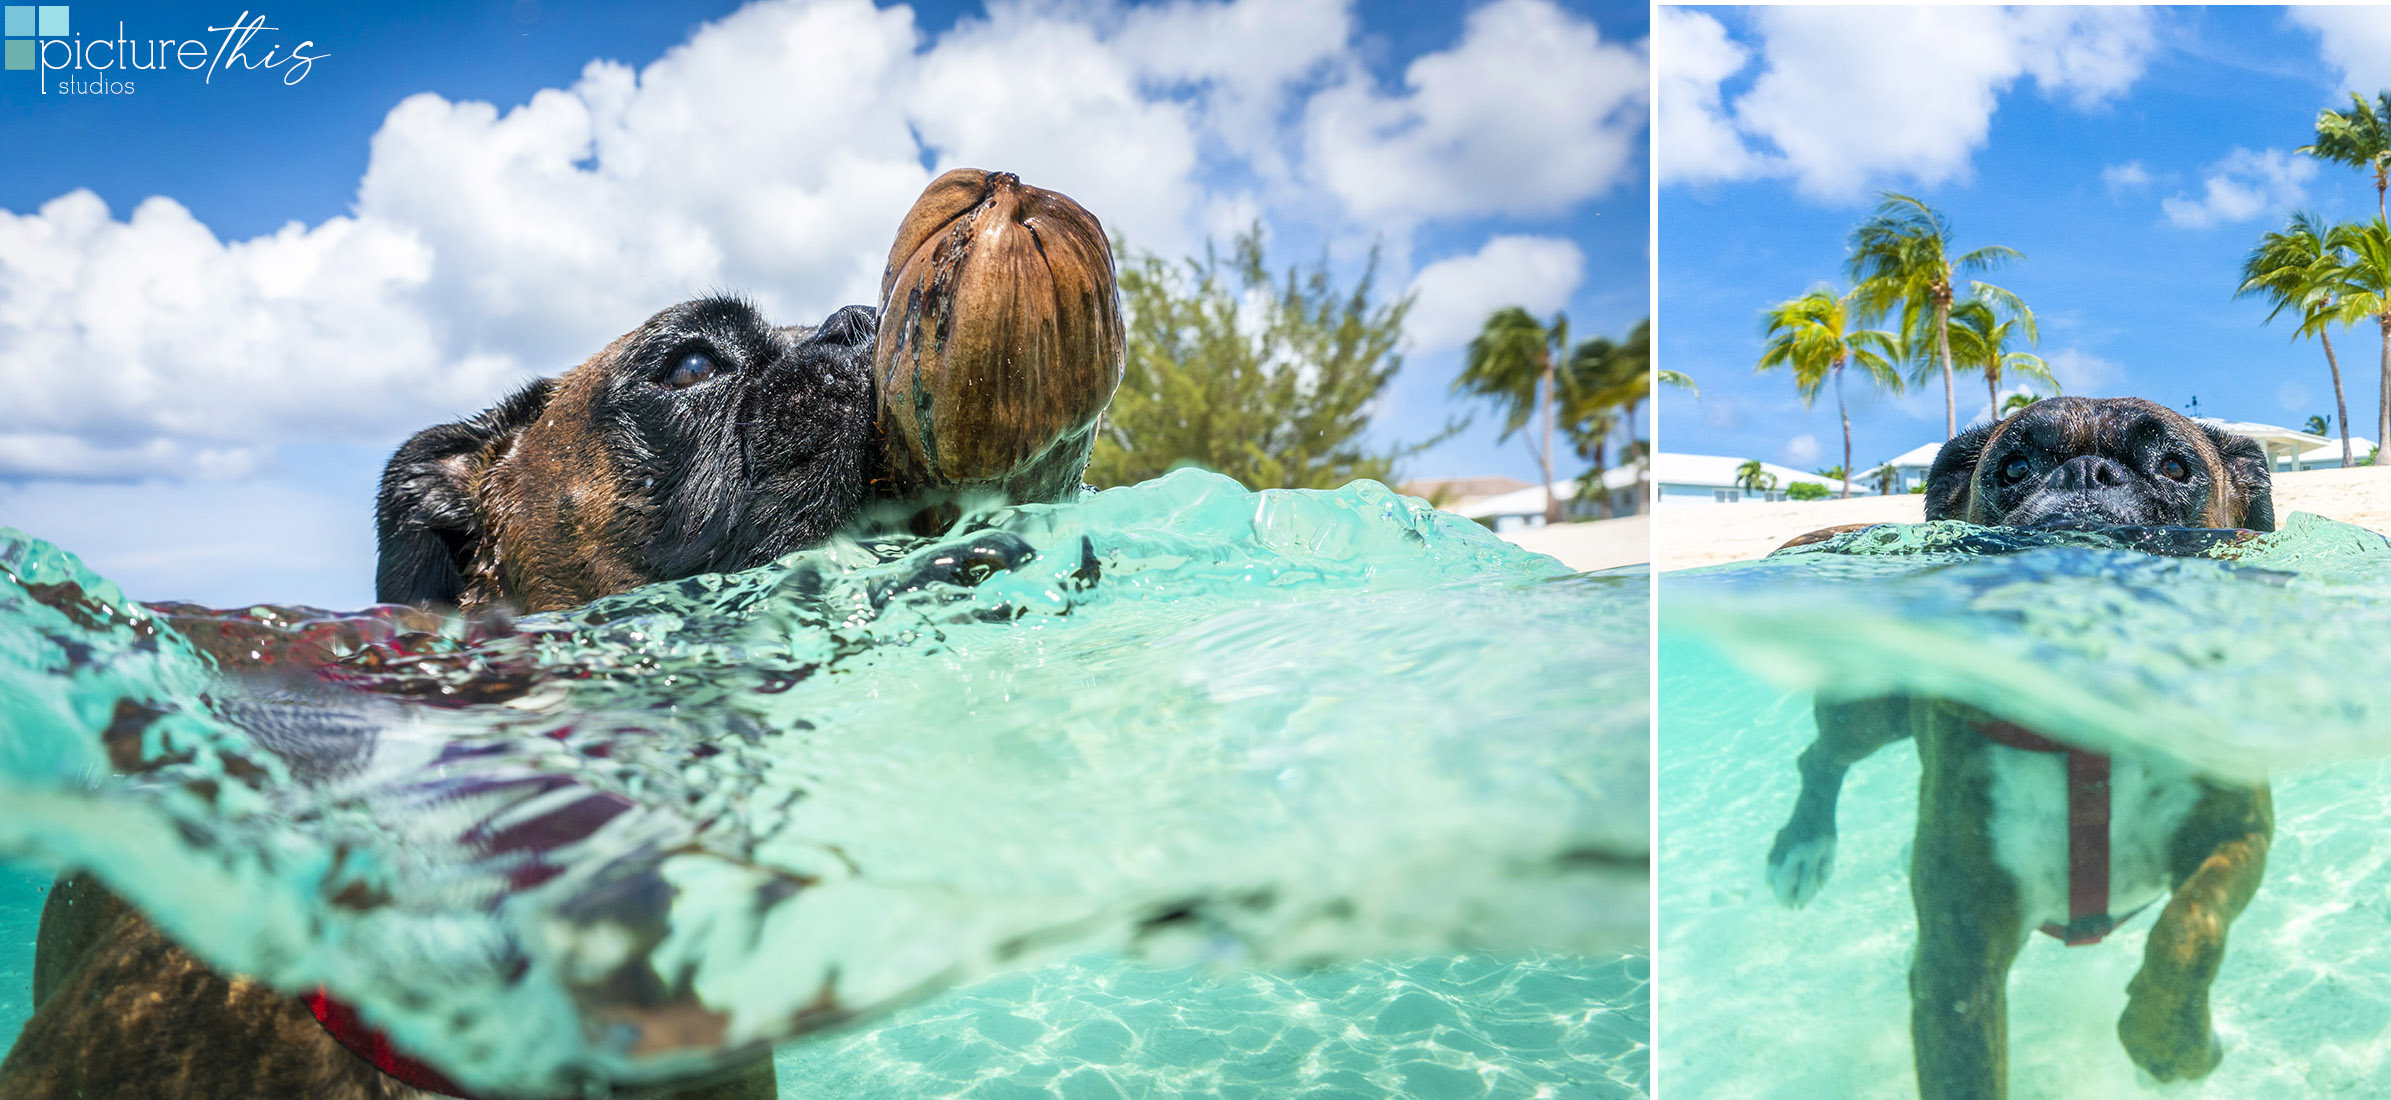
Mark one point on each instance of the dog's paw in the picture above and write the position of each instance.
(2169, 1043)
(1798, 867)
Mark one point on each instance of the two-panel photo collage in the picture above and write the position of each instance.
(1172, 549)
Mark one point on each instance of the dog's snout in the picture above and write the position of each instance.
(2085, 472)
(853, 326)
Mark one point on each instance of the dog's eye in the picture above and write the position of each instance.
(2173, 469)
(2014, 469)
(695, 367)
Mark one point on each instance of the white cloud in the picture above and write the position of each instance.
(1538, 274)
(2121, 178)
(1531, 113)
(1855, 97)
(1693, 140)
(2355, 41)
(1801, 451)
(771, 153)
(2083, 374)
(2242, 186)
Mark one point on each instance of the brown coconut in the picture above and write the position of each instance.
(1000, 340)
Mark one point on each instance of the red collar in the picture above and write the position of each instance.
(2088, 917)
(373, 1046)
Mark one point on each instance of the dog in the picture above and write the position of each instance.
(708, 439)
(2012, 828)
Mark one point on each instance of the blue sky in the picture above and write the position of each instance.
(223, 303)
(2133, 155)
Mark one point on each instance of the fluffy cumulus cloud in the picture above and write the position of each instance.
(1932, 77)
(2355, 41)
(2244, 185)
(772, 152)
(1454, 295)
(1532, 113)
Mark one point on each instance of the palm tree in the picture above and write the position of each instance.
(1512, 360)
(1751, 476)
(2360, 138)
(2019, 401)
(1885, 477)
(2321, 425)
(2292, 268)
(1599, 377)
(1677, 378)
(2361, 288)
(1901, 258)
(1980, 339)
(1813, 334)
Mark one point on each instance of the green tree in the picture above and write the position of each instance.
(1679, 379)
(1980, 339)
(1810, 490)
(2292, 268)
(1887, 476)
(2360, 138)
(1814, 335)
(1514, 361)
(1602, 385)
(2360, 287)
(1901, 259)
(2322, 425)
(1833, 473)
(1751, 476)
(2018, 401)
(1268, 381)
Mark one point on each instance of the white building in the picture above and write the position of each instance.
(2328, 457)
(1711, 479)
(2286, 449)
(1525, 507)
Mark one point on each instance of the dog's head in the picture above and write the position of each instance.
(2105, 461)
(704, 440)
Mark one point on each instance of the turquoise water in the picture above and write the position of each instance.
(1321, 792)
(2259, 657)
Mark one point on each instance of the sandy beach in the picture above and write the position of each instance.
(1599, 544)
(1692, 535)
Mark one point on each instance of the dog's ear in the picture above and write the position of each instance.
(2246, 469)
(1953, 472)
(426, 523)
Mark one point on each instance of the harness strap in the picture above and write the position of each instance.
(2088, 917)
(373, 1046)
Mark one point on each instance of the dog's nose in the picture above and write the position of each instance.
(851, 327)
(2088, 472)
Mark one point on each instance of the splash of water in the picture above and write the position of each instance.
(1179, 719)
(2236, 651)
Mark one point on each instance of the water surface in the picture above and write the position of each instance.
(1235, 735)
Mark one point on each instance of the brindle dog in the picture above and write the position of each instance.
(1990, 860)
(707, 439)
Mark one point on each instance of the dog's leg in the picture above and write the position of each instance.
(1803, 856)
(2220, 856)
(1968, 935)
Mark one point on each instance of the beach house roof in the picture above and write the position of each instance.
(1921, 456)
(1718, 472)
(1530, 501)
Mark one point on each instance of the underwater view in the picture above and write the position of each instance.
(1178, 789)
(2251, 656)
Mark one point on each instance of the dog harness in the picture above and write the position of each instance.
(373, 1046)
(2088, 916)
